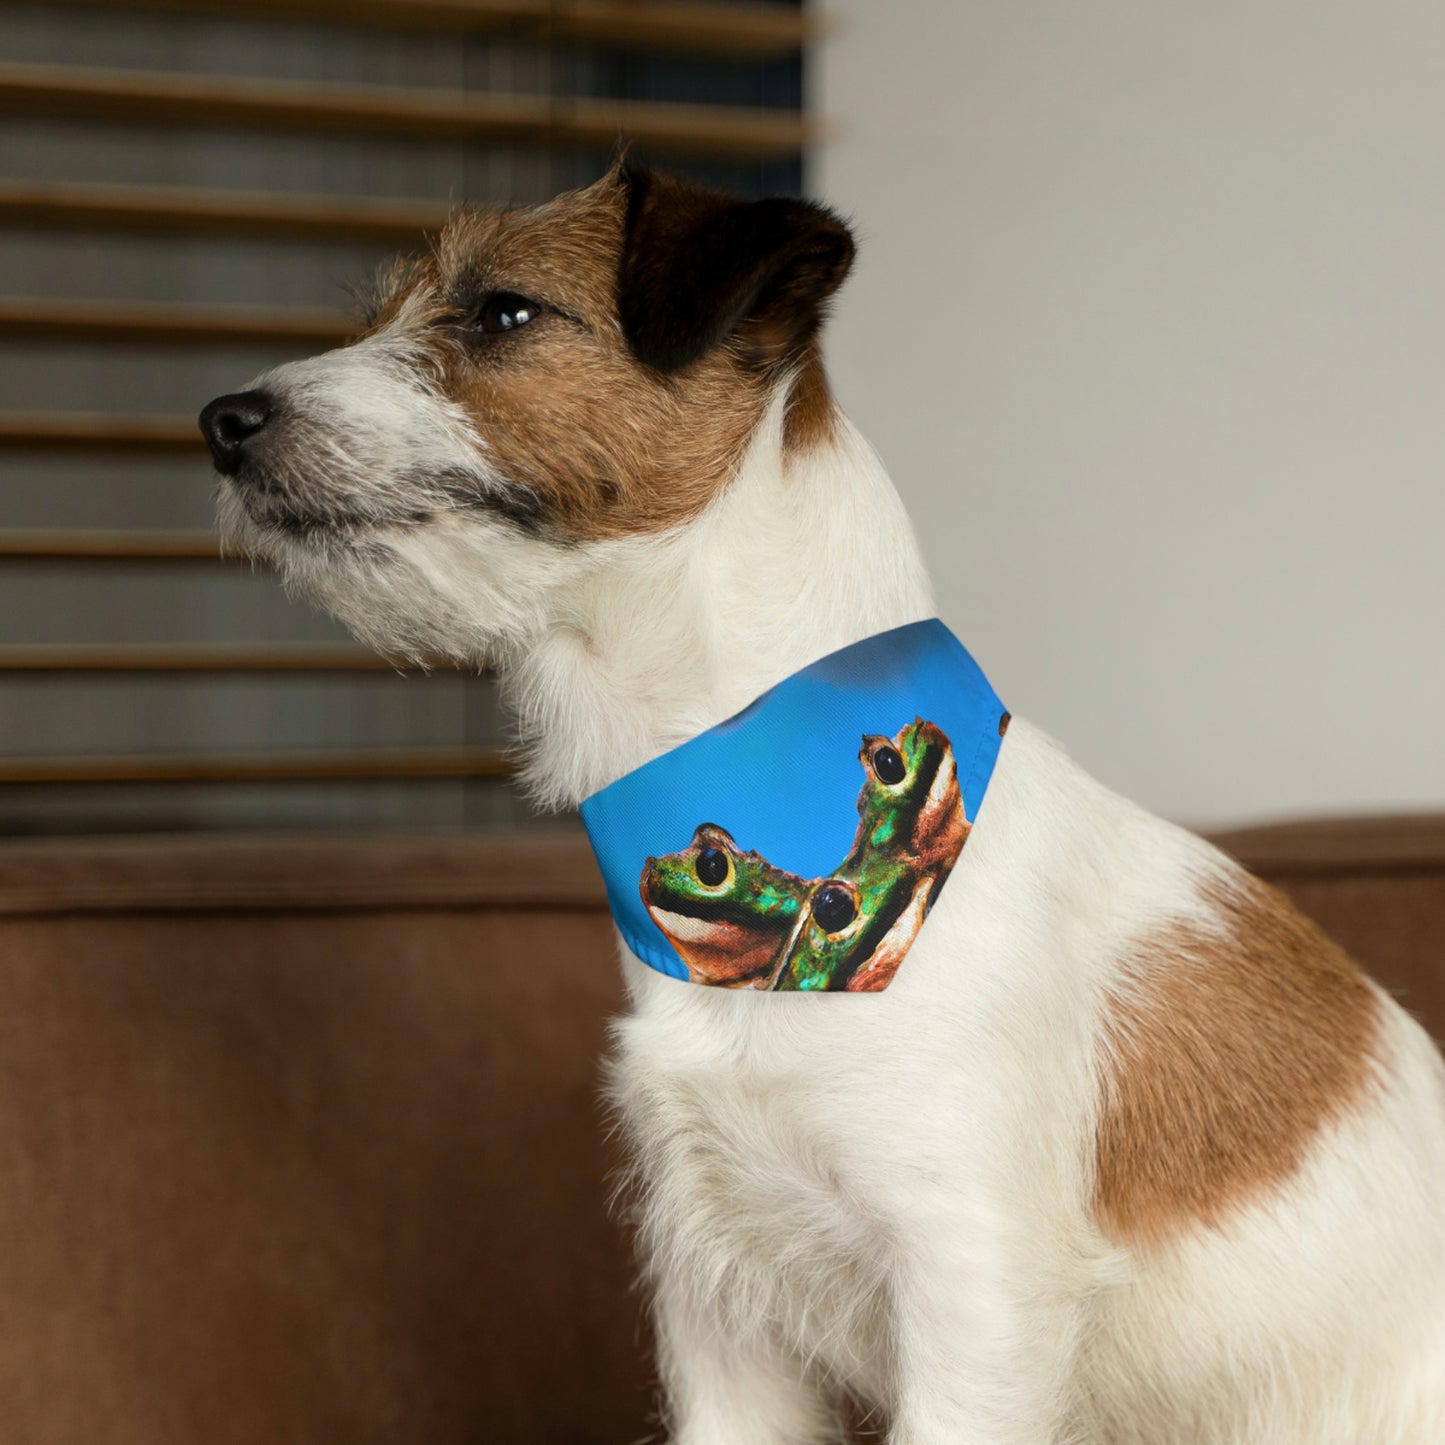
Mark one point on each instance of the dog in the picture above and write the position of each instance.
(1127, 1153)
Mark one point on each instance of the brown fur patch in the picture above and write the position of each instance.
(1228, 1051)
(596, 443)
(600, 445)
(812, 413)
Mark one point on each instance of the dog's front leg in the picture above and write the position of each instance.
(723, 1386)
(985, 1347)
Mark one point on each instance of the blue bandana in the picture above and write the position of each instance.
(804, 907)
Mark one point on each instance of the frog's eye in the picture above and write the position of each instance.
(834, 907)
(711, 867)
(888, 765)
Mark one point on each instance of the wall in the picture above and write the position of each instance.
(1149, 324)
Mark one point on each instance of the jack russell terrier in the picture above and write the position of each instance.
(1101, 1144)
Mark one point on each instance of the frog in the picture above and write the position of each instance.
(729, 914)
(910, 804)
(857, 924)
(853, 938)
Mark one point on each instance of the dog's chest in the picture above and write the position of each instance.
(752, 1184)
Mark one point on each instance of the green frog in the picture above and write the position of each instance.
(857, 924)
(910, 805)
(729, 914)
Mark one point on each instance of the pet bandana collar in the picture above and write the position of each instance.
(802, 908)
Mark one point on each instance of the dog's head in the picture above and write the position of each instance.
(546, 382)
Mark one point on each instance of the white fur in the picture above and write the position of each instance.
(890, 1194)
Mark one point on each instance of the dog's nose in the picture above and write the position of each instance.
(229, 422)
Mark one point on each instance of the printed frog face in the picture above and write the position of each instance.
(836, 928)
(853, 937)
(910, 806)
(729, 914)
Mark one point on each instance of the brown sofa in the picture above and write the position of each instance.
(299, 1139)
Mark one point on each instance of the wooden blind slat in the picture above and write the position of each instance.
(181, 657)
(95, 431)
(169, 323)
(160, 98)
(173, 210)
(108, 546)
(705, 29)
(360, 764)
(752, 31)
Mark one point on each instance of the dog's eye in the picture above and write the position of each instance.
(888, 765)
(506, 311)
(712, 867)
(833, 907)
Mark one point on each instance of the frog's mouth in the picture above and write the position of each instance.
(687, 928)
(701, 919)
(717, 950)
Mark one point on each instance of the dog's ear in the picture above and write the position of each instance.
(699, 266)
